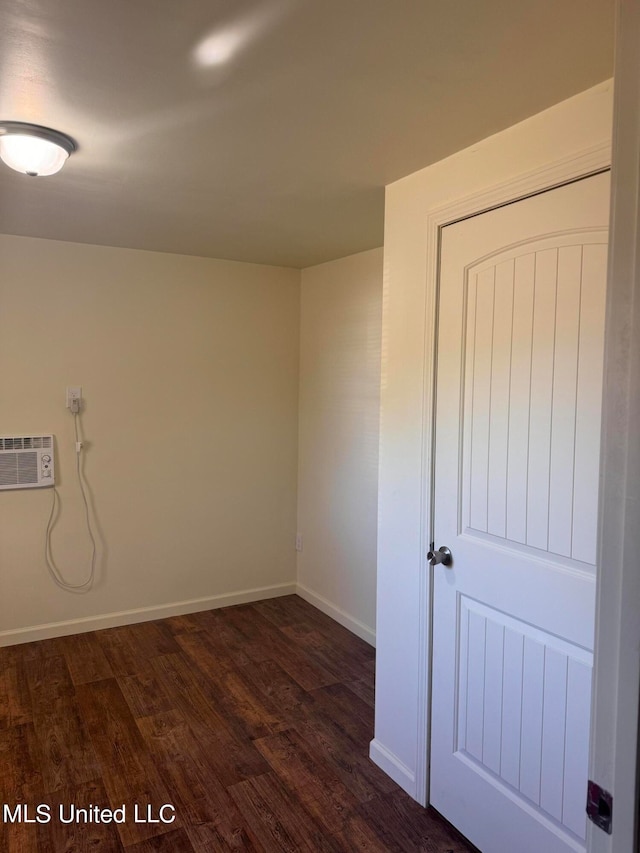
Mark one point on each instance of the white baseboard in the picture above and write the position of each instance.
(350, 622)
(393, 767)
(141, 614)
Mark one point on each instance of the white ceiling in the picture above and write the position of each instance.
(265, 130)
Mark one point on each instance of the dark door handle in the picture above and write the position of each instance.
(442, 555)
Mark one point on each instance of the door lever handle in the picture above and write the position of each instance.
(442, 555)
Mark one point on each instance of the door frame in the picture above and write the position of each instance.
(555, 173)
(614, 757)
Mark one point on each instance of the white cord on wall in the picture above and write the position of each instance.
(55, 573)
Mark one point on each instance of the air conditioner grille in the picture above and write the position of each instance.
(27, 467)
(31, 442)
(19, 469)
(8, 469)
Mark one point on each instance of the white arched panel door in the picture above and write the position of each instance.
(519, 386)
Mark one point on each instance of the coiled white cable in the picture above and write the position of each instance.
(56, 573)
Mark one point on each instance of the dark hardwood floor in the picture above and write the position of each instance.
(253, 722)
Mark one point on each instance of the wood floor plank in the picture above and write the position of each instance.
(305, 770)
(130, 777)
(15, 698)
(290, 611)
(172, 842)
(206, 836)
(365, 689)
(30, 651)
(349, 761)
(79, 836)
(18, 838)
(145, 694)
(176, 753)
(319, 790)
(354, 716)
(49, 679)
(226, 640)
(341, 638)
(279, 688)
(182, 624)
(9, 656)
(20, 761)
(265, 641)
(235, 696)
(210, 652)
(199, 797)
(67, 756)
(253, 632)
(85, 658)
(325, 654)
(406, 827)
(20, 783)
(233, 755)
(129, 648)
(278, 819)
(256, 713)
(284, 610)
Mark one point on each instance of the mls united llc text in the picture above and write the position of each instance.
(44, 813)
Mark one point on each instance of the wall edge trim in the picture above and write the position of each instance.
(337, 614)
(142, 614)
(393, 767)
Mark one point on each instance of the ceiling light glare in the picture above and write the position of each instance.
(218, 48)
(34, 150)
(222, 44)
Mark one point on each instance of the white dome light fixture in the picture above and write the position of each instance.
(34, 150)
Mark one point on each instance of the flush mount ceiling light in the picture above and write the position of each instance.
(34, 150)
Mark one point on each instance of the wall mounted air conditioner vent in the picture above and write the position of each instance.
(26, 461)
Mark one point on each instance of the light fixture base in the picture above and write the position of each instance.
(40, 132)
(34, 150)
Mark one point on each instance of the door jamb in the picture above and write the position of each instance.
(556, 173)
(614, 759)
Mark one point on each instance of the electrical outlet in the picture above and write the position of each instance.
(298, 541)
(74, 397)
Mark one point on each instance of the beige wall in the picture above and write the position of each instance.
(341, 310)
(189, 370)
